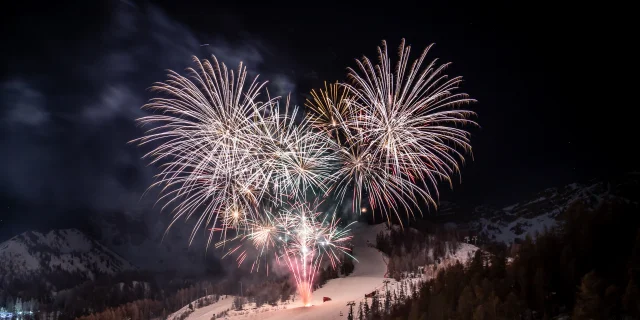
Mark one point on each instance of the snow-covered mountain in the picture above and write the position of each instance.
(542, 210)
(45, 257)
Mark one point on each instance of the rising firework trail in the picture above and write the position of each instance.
(308, 240)
(300, 237)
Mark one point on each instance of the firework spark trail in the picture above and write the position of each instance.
(330, 108)
(368, 177)
(295, 158)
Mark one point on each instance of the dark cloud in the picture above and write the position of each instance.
(25, 105)
(66, 124)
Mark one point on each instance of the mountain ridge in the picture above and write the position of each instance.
(544, 210)
(35, 255)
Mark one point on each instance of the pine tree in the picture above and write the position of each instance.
(407, 292)
(414, 314)
(588, 302)
(360, 312)
(611, 302)
(387, 300)
(10, 304)
(479, 294)
(375, 305)
(238, 303)
(539, 287)
(414, 290)
(498, 267)
(476, 264)
(401, 294)
(466, 302)
(479, 313)
(631, 299)
(27, 305)
(367, 311)
(511, 307)
(18, 305)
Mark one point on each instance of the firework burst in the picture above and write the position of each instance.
(223, 153)
(401, 129)
(409, 116)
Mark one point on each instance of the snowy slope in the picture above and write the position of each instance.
(528, 217)
(34, 255)
(368, 276)
(225, 303)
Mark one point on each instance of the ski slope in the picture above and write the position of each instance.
(367, 276)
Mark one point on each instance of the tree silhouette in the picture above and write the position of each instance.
(387, 298)
(588, 303)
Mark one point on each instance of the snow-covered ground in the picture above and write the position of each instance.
(368, 276)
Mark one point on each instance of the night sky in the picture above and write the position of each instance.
(74, 78)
